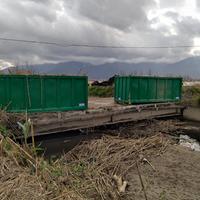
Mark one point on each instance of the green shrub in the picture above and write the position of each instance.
(101, 91)
(191, 90)
(4, 131)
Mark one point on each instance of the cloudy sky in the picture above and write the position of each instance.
(98, 22)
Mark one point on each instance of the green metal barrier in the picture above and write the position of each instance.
(144, 89)
(34, 93)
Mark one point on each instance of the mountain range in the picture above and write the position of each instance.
(189, 67)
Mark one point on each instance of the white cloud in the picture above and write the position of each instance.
(4, 64)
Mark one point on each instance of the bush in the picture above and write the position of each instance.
(101, 91)
(191, 95)
(191, 90)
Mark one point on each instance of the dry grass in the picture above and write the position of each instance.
(86, 172)
(94, 164)
(25, 176)
(8, 123)
(16, 182)
(17, 71)
(191, 96)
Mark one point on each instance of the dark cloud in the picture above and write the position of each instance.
(117, 14)
(101, 22)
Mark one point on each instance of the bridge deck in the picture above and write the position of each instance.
(101, 112)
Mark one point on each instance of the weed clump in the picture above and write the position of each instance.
(101, 91)
(191, 95)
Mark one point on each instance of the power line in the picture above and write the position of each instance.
(95, 46)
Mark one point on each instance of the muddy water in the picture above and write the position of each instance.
(57, 144)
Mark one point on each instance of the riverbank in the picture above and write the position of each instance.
(144, 154)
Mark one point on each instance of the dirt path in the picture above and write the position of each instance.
(177, 176)
(96, 103)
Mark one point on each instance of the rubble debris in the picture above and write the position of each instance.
(191, 143)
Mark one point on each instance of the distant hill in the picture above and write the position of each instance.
(189, 67)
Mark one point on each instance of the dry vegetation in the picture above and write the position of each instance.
(87, 172)
(18, 71)
(191, 95)
(95, 169)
